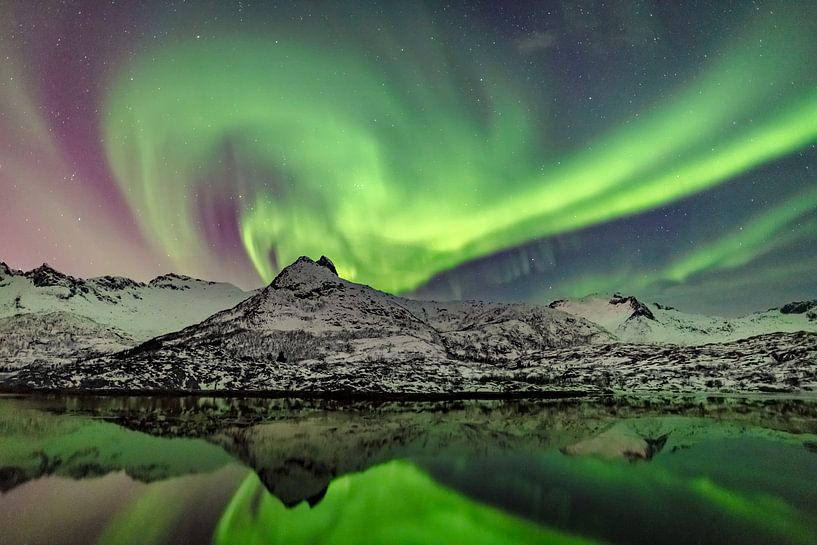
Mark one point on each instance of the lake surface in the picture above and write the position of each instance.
(627, 470)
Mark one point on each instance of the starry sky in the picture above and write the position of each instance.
(514, 151)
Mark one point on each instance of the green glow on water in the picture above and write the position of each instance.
(395, 503)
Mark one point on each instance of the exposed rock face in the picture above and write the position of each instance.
(175, 281)
(798, 307)
(639, 308)
(6, 271)
(44, 275)
(117, 283)
(326, 262)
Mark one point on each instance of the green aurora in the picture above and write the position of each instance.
(399, 177)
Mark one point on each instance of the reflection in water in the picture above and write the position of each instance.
(391, 503)
(230, 471)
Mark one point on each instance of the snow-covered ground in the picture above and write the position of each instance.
(139, 310)
(631, 320)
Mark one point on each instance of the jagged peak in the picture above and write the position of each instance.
(798, 307)
(116, 282)
(45, 268)
(600, 300)
(6, 270)
(46, 275)
(305, 271)
(172, 276)
(176, 281)
(639, 308)
(326, 262)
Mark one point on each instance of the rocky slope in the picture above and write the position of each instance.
(54, 338)
(631, 320)
(133, 309)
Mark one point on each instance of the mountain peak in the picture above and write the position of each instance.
(306, 273)
(798, 307)
(171, 276)
(45, 268)
(175, 281)
(5, 270)
(326, 262)
(45, 275)
(639, 308)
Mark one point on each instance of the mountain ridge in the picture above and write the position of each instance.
(140, 309)
(311, 331)
(631, 320)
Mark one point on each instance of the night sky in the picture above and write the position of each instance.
(496, 150)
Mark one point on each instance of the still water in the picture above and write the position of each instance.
(150, 470)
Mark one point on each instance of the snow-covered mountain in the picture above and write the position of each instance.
(309, 313)
(310, 331)
(132, 309)
(630, 320)
(310, 319)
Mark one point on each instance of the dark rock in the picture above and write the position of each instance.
(11, 477)
(5, 271)
(169, 281)
(798, 307)
(326, 262)
(782, 357)
(44, 275)
(639, 308)
(117, 283)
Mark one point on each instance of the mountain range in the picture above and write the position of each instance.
(630, 320)
(50, 317)
(311, 331)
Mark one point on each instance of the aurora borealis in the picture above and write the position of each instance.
(526, 151)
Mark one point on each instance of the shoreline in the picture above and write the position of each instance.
(362, 396)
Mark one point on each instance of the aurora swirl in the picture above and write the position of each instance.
(426, 155)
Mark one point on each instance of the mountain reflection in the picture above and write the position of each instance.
(195, 470)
